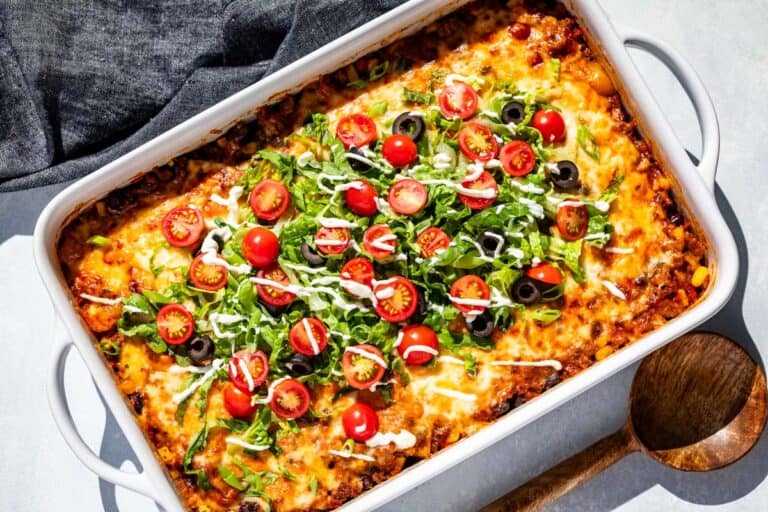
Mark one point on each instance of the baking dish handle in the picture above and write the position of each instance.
(57, 400)
(694, 88)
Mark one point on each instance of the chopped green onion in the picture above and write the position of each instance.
(98, 241)
(555, 65)
(378, 108)
(587, 142)
(421, 98)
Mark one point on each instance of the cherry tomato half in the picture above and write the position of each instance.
(418, 344)
(431, 241)
(546, 273)
(308, 337)
(260, 247)
(517, 158)
(458, 100)
(248, 370)
(183, 226)
(332, 240)
(207, 277)
(359, 270)
(407, 196)
(238, 402)
(361, 199)
(175, 324)
(360, 422)
(572, 220)
(379, 241)
(484, 187)
(269, 200)
(290, 399)
(363, 366)
(399, 150)
(550, 124)
(477, 142)
(273, 295)
(356, 130)
(397, 299)
(470, 288)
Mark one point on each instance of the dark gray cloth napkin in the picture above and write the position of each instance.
(85, 81)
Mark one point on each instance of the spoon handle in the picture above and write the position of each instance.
(557, 481)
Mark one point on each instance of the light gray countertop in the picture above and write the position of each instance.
(726, 43)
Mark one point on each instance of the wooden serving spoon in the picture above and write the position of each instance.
(697, 404)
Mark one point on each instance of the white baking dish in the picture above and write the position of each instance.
(696, 190)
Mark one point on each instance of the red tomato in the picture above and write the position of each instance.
(183, 226)
(546, 273)
(520, 31)
(360, 422)
(308, 337)
(238, 402)
(290, 399)
(207, 277)
(550, 124)
(363, 366)
(572, 220)
(485, 185)
(471, 288)
(260, 247)
(432, 240)
(248, 370)
(359, 270)
(399, 150)
(269, 200)
(458, 100)
(361, 199)
(273, 295)
(356, 130)
(332, 240)
(397, 299)
(175, 324)
(407, 196)
(517, 158)
(477, 142)
(379, 241)
(418, 344)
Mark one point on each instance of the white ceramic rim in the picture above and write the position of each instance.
(697, 195)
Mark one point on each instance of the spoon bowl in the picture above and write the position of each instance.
(697, 404)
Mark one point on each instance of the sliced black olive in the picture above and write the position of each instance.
(410, 125)
(513, 112)
(544, 224)
(421, 309)
(165, 174)
(566, 176)
(299, 365)
(219, 241)
(492, 241)
(526, 291)
(482, 325)
(310, 254)
(200, 349)
(275, 311)
(356, 164)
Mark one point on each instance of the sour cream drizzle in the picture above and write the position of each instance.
(402, 440)
(311, 336)
(270, 392)
(224, 319)
(368, 355)
(615, 291)
(231, 203)
(101, 300)
(248, 446)
(212, 369)
(452, 393)
(419, 348)
(349, 455)
(332, 222)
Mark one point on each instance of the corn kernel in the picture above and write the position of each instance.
(601, 342)
(678, 232)
(165, 454)
(603, 353)
(699, 275)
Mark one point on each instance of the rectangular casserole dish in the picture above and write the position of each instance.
(402, 21)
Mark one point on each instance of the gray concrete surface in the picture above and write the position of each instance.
(726, 42)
